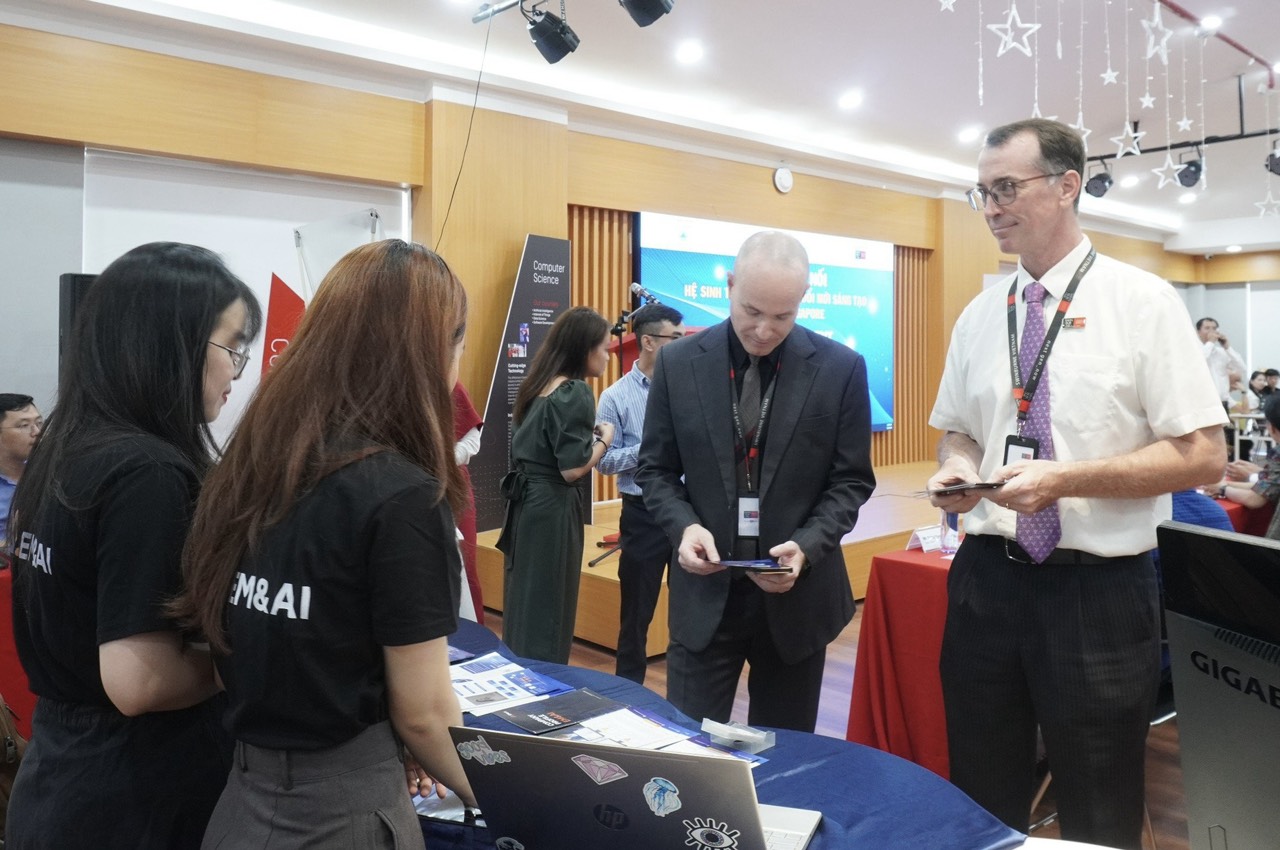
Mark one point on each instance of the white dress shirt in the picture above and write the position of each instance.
(1132, 375)
(1222, 362)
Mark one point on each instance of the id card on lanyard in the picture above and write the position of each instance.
(1016, 446)
(748, 503)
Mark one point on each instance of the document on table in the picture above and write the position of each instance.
(491, 682)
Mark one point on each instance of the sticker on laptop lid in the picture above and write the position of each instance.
(662, 796)
(506, 842)
(480, 751)
(601, 772)
(711, 835)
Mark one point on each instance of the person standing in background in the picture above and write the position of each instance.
(645, 550)
(554, 443)
(128, 749)
(757, 444)
(1226, 366)
(20, 424)
(1053, 604)
(466, 428)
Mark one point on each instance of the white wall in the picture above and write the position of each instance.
(41, 203)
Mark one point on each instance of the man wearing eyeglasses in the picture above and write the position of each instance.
(20, 425)
(645, 551)
(1077, 383)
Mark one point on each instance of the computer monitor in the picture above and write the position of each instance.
(1222, 603)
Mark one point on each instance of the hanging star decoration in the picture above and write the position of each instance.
(1168, 173)
(1128, 141)
(1035, 112)
(1008, 41)
(1148, 101)
(1081, 129)
(1109, 77)
(947, 5)
(1156, 30)
(1184, 126)
(1268, 206)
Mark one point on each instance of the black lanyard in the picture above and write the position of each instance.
(1023, 395)
(750, 453)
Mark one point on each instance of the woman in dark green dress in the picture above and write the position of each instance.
(555, 443)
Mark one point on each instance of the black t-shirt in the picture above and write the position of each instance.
(101, 562)
(367, 559)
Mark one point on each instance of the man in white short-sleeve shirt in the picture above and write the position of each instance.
(1062, 633)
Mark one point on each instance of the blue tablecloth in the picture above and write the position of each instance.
(869, 800)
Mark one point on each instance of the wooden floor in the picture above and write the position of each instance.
(1165, 801)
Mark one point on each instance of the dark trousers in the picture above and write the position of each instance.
(1072, 648)
(703, 684)
(645, 552)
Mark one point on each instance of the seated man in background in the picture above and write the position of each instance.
(20, 425)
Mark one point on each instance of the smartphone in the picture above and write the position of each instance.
(965, 487)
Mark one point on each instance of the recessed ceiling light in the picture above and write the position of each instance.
(1212, 23)
(689, 52)
(969, 134)
(1233, 249)
(1187, 198)
(1129, 182)
(851, 99)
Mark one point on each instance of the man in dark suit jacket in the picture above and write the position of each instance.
(704, 470)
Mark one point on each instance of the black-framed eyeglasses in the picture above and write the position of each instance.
(239, 359)
(666, 336)
(1003, 193)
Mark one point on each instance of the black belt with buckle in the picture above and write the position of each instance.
(1073, 557)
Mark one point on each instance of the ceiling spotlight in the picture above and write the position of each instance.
(1189, 173)
(1273, 162)
(551, 35)
(1099, 183)
(645, 12)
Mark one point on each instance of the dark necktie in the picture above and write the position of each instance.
(1039, 533)
(749, 398)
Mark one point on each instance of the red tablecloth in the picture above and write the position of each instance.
(13, 680)
(897, 694)
(1248, 520)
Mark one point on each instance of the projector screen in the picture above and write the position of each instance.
(685, 261)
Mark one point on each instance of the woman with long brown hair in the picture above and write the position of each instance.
(323, 564)
(555, 443)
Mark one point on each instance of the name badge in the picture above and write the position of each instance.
(748, 516)
(1020, 448)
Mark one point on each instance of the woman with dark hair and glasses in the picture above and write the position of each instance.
(555, 443)
(127, 749)
(323, 564)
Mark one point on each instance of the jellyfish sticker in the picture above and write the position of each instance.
(662, 796)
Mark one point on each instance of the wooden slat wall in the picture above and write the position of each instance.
(602, 279)
(911, 439)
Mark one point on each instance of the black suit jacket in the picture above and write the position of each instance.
(816, 474)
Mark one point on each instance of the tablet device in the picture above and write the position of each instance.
(759, 565)
(965, 487)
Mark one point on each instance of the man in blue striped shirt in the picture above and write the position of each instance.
(645, 548)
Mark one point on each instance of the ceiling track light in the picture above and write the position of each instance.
(1191, 169)
(1273, 161)
(1098, 184)
(550, 34)
(645, 12)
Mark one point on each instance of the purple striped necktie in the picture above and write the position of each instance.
(1038, 533)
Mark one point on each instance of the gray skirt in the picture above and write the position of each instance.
(351, 796)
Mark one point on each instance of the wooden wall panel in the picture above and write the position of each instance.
(602, 267)
(911, 440)
(612, 174)
(1237, 268)
(70, 90)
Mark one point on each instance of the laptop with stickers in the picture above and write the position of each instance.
(544, 794)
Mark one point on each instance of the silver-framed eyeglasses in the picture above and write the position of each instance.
(1003, 193)
(28, 426)
(239, 359)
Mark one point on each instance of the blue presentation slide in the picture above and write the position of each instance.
(850, 302)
